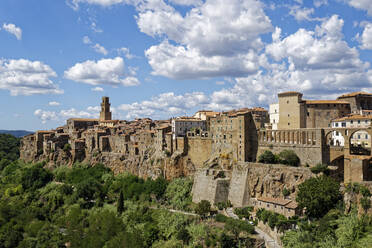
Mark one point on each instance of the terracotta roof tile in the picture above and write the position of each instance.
(326, 102)
(352, 94)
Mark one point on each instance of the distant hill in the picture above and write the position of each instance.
(16, 133)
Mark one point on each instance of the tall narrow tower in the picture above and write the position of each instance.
(105, 114)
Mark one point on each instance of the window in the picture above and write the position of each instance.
(351, 122)
(289, 124)
(343, 124)
(366, 136)
(287, 102)
(336, 124)
(308, 114)
(358, 121)
(336, 133)
(358, 136)
(288, 115)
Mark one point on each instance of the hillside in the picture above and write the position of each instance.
(16, 133)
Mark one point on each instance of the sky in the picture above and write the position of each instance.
(166, 58)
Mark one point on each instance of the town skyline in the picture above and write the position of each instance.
(161, 59)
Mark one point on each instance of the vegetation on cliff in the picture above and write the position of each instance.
(86, 206)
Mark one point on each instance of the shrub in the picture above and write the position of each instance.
(67, 147)
(267, 157)
(203, 208)
(286, 192)
(243, 212)
(221, 218)
(289, 157)
(320, 168)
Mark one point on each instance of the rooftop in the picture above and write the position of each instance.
(352, 94)
(278, 201)
(354, 117)
(326, 102)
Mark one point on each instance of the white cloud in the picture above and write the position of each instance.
(97, 47)
(105, 3)
(303, 14)
(104, 71)
(100, 49)
(86, 40)
(366, 37)
(318, 3)
(361, 4)
(219, 37)
(24, 77)
(186, 2)
(220, 82)
(125, 51)
(98, 89)
(54, 103)
(321, 49)
(45, 116)
(13, 29)
(179, 62)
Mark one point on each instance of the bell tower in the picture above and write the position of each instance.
(105, 114)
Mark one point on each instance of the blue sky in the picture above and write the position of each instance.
(163, 58)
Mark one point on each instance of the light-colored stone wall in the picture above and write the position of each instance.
(291, 111)
(200, 150)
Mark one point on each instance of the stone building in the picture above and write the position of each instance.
(234, 131)
(181, 125)
(359, 138)
(286, 207)
(274, 115)
(358, 101)
(294, 112)
(105, 114)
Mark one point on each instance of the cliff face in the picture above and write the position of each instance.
(245, 181)
(151, 163)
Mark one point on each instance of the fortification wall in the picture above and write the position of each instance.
(208, 187)
(200, 150)
(310, 155)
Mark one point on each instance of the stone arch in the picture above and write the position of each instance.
(357, 145)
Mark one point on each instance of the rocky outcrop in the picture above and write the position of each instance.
(249, 180)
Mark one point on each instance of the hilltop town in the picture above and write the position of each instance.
(224, 151)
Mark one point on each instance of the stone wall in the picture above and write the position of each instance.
(250, 180)
(208, 186)
(200, 150)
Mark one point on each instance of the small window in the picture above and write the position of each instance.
(287, 102)
(358, 121)
(351, 122)
(308, 114)
(366, 136)
(288, 115)
(336, 124)
(289, 124)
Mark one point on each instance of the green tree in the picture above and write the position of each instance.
(203, 208)
(267, 157)
(120, 203)
(178, 193)
(318, 195)
(289, 157)
(236, 227)
(286, 192)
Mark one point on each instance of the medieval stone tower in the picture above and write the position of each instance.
(105, 114)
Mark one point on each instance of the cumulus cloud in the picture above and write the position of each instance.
(45, 115)
(13, 29)
(24, 77)
(166, 104)
(98, 89)
(303, 14)
(318, 3)
(186, 2)
(317, 62)
(361, 4)
(105, 71)
(366, 37)
(54, 103)
(86, 40)
(208, 38)
(318, 49)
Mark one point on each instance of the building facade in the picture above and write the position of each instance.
(181, 125)
(274, 115)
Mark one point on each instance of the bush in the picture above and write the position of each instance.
(286, 192)
(203, 208)
(318, 195)
(243, 212)
(267, 157)
(221, 218)
(67, 147)
(289, 157)
(320, 168)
